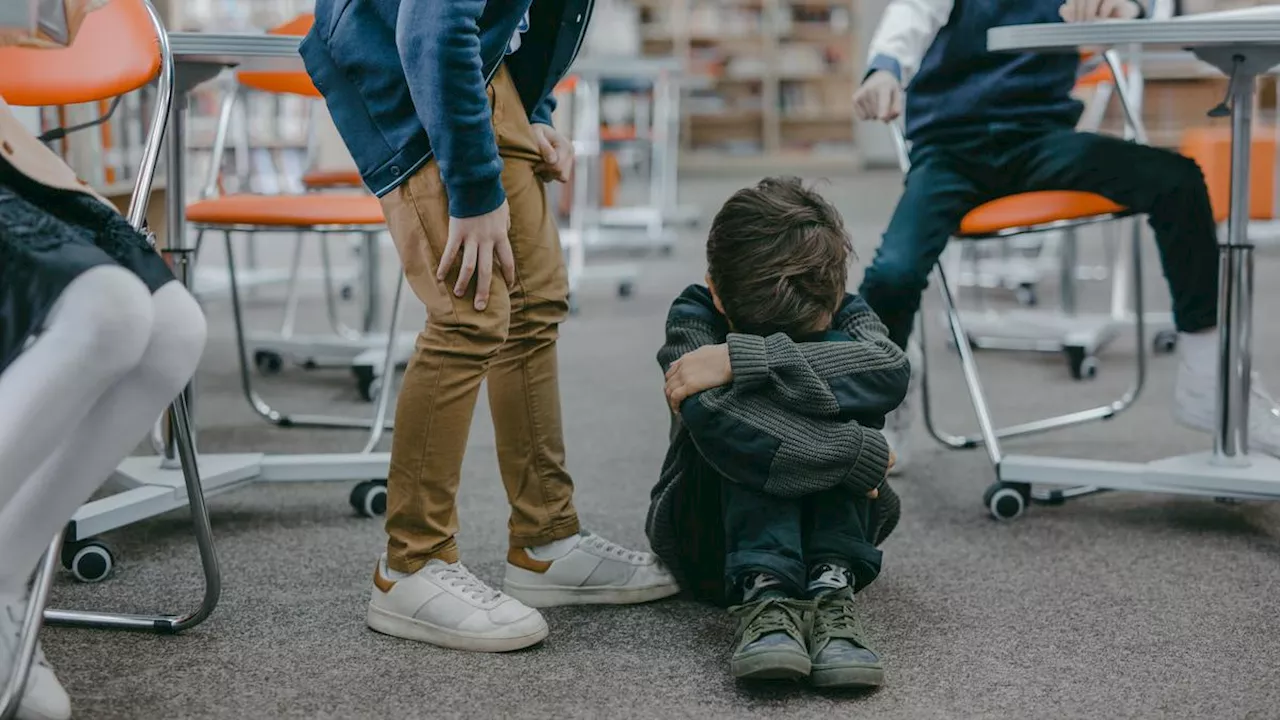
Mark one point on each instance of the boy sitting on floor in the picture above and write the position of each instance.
(773, 491)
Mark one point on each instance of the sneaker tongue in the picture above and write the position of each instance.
(756, 586)
(827, 576)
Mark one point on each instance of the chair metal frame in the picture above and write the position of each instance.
(179, 423)
(1006, 500)
(373, 383)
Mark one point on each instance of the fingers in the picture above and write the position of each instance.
(467, 270)
(874, 494)
(546, 149)
(450, 253)
(484, 277)
(506, 261)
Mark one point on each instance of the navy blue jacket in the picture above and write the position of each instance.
(954, 84)
(405, 81)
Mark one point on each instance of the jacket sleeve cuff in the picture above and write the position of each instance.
(872, 466)
(471, 199)
(886, 63)
(749, 360)
(542, 113)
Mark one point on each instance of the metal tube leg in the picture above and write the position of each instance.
(971, 380)
(290, 319)
(28, 635)
(204, 542)
(388, 372)
(1231, 441)
(260, 406)
(331, 303)
(372, 297)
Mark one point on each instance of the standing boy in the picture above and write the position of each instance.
(446, 107)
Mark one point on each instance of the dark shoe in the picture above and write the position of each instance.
(840, 655)
(770, 644)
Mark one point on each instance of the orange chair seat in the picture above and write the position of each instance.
(617, 133)
(1034, 208)
(287, 211)
(332, 178)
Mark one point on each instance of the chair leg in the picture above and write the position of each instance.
(388, 370)
(970, 369)
(204, 542)
(260, 406)
(31, 621)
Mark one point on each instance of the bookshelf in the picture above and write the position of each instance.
(768, 80)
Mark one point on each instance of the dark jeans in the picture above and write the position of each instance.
(949, 177)
(785, 537)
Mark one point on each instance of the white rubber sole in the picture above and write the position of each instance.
(389, 623)
(544, 596)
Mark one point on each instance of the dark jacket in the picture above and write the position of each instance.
(405, 81)
(798, 418)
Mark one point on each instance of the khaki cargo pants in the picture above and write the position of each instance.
(511, 344)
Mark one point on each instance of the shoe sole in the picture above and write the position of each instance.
(408, 628)
(544, 596)
(847, 677)
(773, 665)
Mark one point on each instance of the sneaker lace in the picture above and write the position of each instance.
(615, 550)
(771, 615)
(473, 587)
(834, 617)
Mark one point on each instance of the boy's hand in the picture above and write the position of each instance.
(557, 154)
(874, 493)
(705, 368)
(878, 98)
(1089, 10)
(479, 239)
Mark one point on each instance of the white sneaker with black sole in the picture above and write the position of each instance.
(444, 604)
(585, 569)
(43, 697)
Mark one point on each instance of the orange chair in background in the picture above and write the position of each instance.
(356, 213)
(1210, 147)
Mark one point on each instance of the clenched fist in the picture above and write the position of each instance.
(879, 97)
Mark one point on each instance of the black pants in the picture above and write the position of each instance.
(949, 177)
(785, 537)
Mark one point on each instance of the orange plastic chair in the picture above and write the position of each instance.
(311, 213)
(1210, 147)
(121, 47)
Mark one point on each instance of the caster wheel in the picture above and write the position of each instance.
(89, 561)
(364, 380)
(625, 290)
(1165, 342)
(369, 498)
(268, 362)
(1082, 365)
(347, 292)
(1005, 501)
(370, 390)
(1026, 295)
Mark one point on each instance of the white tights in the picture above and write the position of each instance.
(79, 400)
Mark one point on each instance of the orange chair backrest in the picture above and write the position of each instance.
(283, 82)
(1210, 147)
(115, 52)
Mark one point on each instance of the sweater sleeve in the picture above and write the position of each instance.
(905, 32)
(857, 373)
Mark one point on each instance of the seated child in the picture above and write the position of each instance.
(773, 492)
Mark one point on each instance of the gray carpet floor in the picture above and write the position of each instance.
(1113, 606)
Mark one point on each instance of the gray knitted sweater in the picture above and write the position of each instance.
(798, 418)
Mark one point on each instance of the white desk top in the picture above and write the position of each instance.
(1224, 30)
(257, 51)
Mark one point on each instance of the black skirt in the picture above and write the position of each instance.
(47, 238)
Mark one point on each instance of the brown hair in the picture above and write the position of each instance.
(778, 257)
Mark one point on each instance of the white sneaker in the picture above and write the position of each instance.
(444, 604)
(897, 424)
(1194, 406)
(591, 571)
(43, 698)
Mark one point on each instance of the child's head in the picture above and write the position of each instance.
(777, 259)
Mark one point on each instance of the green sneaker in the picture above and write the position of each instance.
(841, 657)
(770, 643)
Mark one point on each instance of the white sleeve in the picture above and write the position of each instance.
(906, 31)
